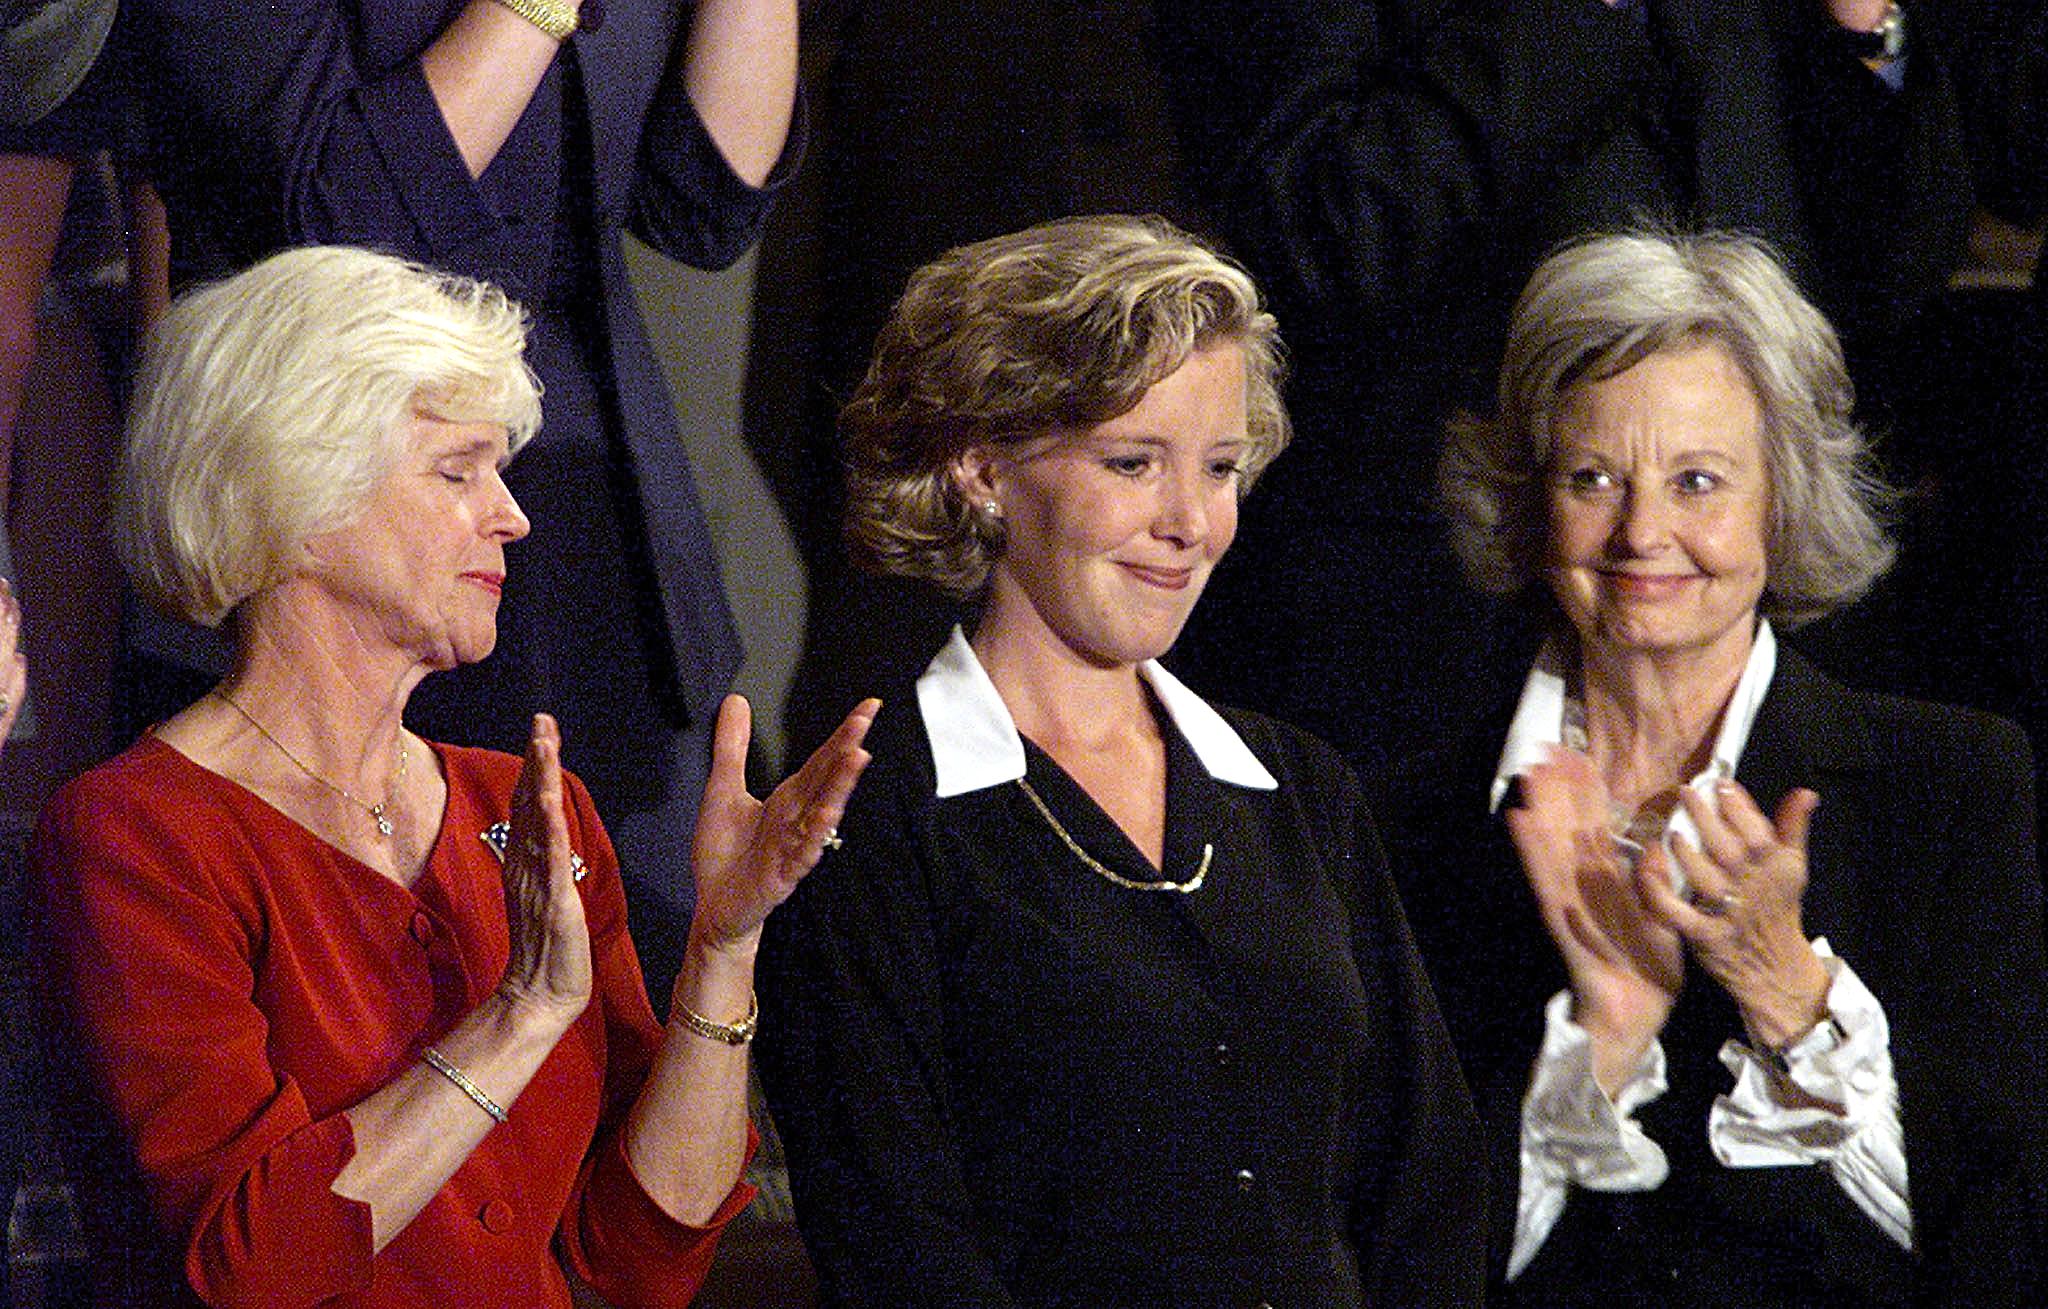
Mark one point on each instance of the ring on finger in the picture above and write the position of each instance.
(1717, 905)
(831, 840)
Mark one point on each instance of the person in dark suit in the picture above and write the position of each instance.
(515, 144)
(1745, 968)
(1106, 998)
(1392, 170)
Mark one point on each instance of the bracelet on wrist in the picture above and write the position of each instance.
(558, 18)
(440, 1063)
(724, 1033)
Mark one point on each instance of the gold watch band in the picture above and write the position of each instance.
(738, 1033)
(555, 17)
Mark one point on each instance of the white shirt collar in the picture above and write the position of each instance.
(975, 742)
(1539, 724)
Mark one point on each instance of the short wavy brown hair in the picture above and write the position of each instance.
(1053, 329)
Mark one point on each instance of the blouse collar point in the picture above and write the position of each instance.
(1539, 717)
(975, 743)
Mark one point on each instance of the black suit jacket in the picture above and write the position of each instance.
(1922, 875)
(1393, 170)
(1004, 1081)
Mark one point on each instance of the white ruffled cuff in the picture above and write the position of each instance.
(1570, 1123)
(1845, 1063)
(1573, 1134)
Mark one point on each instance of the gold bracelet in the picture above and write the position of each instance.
(726, 1033)
(557, 19)
(439, 1063)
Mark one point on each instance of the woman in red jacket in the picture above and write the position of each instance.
(361, 1008)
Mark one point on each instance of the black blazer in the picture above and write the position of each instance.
(1004, 1081)
(1922, 875)
(1393, 170)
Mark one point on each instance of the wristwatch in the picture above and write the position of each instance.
(1778, 1059)
(557, 18)
(1883, 43)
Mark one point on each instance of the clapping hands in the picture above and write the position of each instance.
(1625, 963)
(1622, 929)
(548, 968)
(1741, 914)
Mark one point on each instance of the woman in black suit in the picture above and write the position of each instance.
(1744, 967)
(1106, 998)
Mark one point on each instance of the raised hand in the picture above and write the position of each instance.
(549, 967)
(1742, 917)
(1625, 964)
(749, 854)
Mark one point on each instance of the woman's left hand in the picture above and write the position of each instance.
(749, 854)
(1741, 915)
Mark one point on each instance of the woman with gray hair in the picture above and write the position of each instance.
(1107, 1000)
(1744, 967)
(360, 1010)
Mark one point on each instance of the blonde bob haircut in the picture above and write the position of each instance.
(269, 406)
(1041, 333)
(1601, 305)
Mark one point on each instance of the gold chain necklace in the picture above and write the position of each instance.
(1129, 883)
(376, 811)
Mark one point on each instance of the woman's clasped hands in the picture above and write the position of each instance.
(1622, 923)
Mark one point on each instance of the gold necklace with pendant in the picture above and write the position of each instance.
(378, 811)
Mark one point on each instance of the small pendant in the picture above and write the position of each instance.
(383, 823)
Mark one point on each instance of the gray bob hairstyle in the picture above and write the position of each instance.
(1050, 330)
(1598, 307)
(270, 405)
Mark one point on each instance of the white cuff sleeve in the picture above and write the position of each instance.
(1845, 1064)
(1573, 1134)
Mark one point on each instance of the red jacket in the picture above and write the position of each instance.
(233, 983)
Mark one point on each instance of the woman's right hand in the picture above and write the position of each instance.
(1625, 964)
(413, 1133)
(548, 973)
